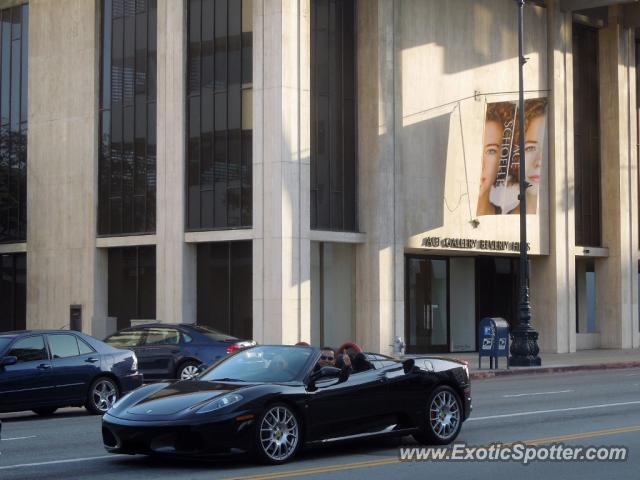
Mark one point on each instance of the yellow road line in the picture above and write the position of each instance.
(320, 469)
(579, 436)
(394, 459)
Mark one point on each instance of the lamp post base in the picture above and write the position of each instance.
(524, 347)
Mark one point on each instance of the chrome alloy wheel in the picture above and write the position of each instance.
(104, 394)
(279, 433)
(444, 414)
(189, 372)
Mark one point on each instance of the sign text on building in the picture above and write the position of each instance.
(471, 244)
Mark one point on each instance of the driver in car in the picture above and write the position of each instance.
(328, 359)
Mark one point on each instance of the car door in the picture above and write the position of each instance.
(75, 364)
(407, 392)
(353, 407)
(29, 382)
(161, 349)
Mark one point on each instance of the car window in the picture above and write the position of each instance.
(126, 338)
(162, 336)
(262, 364)
(84, 347)
(29, 349)
(63, 346)
(4, 342)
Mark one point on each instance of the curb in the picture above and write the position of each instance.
(559, 369)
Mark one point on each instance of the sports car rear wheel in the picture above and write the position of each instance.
(443, 417)
(278, 434)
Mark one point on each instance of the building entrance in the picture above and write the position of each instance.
(446, 297)
(497, 289)
(427, 304)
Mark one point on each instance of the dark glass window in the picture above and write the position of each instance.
(132, 284)
(333, 115)
(219, 114)
(127, 338)
(63, 346)
(127, 165)
(497, 289)
(586, 317)
(162, 336)
(586, 111)
(14, 40)
(29, 349)
(13, 291)
(427, 325)
(225, 287)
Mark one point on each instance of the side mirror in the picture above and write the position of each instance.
(202, 367)
(408, 365)
(9, 360)
(324, 372)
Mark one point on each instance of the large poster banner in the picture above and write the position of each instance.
(499, 180)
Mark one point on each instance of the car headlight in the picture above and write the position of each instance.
(134, 364)
(220, 402)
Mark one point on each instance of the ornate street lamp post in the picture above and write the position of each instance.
(524, 346)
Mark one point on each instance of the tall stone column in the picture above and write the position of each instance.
(64, 267)
(281, 126)
(175, 259)
(379, 261)
(616, 276)
(553, 290)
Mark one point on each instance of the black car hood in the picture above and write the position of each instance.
(181, 395)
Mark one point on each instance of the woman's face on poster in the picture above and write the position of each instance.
(534, 137)
(491, 155)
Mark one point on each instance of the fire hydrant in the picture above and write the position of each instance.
(398, 346)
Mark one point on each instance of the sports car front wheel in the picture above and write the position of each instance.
(278, 434)
(443, 417)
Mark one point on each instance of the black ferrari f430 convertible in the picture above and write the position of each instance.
(272, 400)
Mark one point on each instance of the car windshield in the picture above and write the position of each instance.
(211, 333)
(262, 364)
(4, 341)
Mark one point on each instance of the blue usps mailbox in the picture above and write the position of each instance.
(493, 336)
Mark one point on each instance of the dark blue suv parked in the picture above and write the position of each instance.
(45, 370)
(167, 350)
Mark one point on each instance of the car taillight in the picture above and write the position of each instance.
(240, 345)
(234, 348)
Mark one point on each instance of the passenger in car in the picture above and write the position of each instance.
(360, 363)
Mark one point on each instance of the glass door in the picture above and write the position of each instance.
(427, 305)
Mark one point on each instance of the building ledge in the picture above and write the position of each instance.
(596, 252)
(219, 235)
(20, 247)
(125, 241)
(337, 237)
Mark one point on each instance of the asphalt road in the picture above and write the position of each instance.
(586, 408)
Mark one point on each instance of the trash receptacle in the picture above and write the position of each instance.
(494, 340)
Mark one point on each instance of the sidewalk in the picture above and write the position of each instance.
(554, 362)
